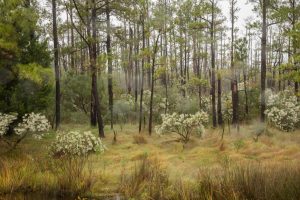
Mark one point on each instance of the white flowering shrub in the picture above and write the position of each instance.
(227, 111)
(283, 110)
(183, 124)
(34, 123)
(71, 151)
(76, 144)
(5, 121)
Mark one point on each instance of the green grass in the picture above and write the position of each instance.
(27, 168)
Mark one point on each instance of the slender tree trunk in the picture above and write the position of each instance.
(57, 71)
(213, 73)
(109, 64)
(234, 85)
(142, 78)
(137, 46)
(294, 18)
(72, 42)
(152, 83)
(181, 63)
(220, 118)
(93, 57)
(263, 60)
(130, 67)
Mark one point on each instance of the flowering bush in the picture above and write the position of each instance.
(35, 123)
(183, 124)
(283, 110)
(71, 151)
(75, 143)
(227, 108)
(5, 121)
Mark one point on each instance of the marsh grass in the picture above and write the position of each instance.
(44, 176)
(139, 139)
(201, 170)
(149, 180)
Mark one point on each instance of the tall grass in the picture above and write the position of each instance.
(149, 180)
(44, 176)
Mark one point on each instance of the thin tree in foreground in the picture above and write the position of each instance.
(155, 50)
(234, 83)
(56, 67)
(263, 60)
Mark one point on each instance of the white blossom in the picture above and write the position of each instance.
(35, 123)
(75, 143)
(283, 110)
(183, 124)
(5, 121)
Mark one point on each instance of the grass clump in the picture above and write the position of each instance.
(139, 139)
(252, 181)
(148, 180)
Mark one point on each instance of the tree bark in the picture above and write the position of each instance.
(213, 78)
(57, 71)
(263, 60)
(93, 57)
(109, 64)
(142, 77)
(152, 83)
(234, 85)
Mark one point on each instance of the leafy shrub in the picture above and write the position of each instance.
(158, 106)
(227, 108)
(34, 123)
(187, 105)
(123, 109)
(283, 110)
(5, 121)
(76, 97)
(183, 124)
(75, 143)
(71, 151)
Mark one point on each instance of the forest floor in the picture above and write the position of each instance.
(181, 161)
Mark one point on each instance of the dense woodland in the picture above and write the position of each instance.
(157, 66)
(176, 50)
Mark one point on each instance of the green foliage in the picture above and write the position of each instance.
(28, 91)
(124, 109)
(76, 97)
(238, 144)
(25, 85)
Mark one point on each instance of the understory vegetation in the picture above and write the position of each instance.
(157, 167)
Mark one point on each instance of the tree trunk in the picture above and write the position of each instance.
(57, 71)
(72, 42)
(213, 78)
(142, 78)
(152, 83)
(130, 67)
(263, 60)
(109, 64)
(219, 109)
(234, 86)
(93, 57)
